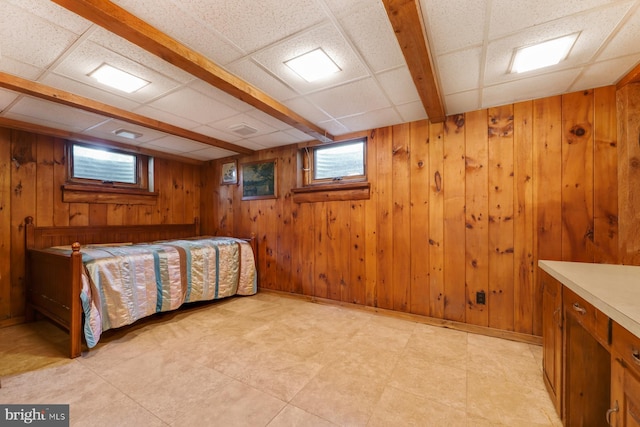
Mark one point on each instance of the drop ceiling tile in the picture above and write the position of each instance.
(274, 139)
(508, 16)
(166, 117)
(306, 109)
(625, 41)
(462, 102)
(372, 120)
(53, 115)
(88, 56)
(227, 124)
(170, 18)
(73, 86)
(190, 104)
(53, 13)
(176, 144)
(334, 127)
(529, 88)
(298, 136)
(326, 37)
(600, 74)
(340, 8)
(593, 28)
(6, 98)
(30, 39)
(217, 133)
(253, 25)
(460, 70)
(208, 90)
(353, 98)
(17, 68)
(412, 111)
(379, 48)
(210, 153)
(398, 85)
(107, 130)
(468, 30)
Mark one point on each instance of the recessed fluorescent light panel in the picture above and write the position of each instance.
(542, 54)
(129, 134)
(118, 79)
(313, 65)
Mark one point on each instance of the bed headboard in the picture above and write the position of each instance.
(44, 237)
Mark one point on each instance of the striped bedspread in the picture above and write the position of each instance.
(125, 283)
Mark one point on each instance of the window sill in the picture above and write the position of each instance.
(332, 192)
(75, 193)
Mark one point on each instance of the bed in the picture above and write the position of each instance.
(91, 279)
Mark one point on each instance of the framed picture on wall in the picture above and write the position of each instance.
(230, 172)
(259, 180)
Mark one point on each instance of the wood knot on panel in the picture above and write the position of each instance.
(438, 181)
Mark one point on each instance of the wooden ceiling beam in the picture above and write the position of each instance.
(48, 93)
(126, 25)
(406, 20)
(632, 77)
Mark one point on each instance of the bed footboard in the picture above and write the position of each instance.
(53, 289)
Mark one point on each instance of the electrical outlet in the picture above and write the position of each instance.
(481, 298)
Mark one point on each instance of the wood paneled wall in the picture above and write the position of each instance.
(32, 170)
(456, 208)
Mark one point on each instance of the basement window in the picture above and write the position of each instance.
(337, 162)
(99, 174)
(334, 172)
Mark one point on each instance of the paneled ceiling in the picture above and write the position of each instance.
(224, 65)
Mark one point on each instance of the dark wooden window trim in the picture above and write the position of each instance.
(82, 193)
(332, 192)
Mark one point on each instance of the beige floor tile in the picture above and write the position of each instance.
(278, 361)
(342, 398)
(292, 416)
(439, 383)
(401, 408)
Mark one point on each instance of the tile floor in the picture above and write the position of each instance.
(271, 360)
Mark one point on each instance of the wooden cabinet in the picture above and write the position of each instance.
(625, 380)
(552, 337)
(587, 364)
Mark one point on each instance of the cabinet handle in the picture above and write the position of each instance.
(611, 411)
(635, 355)
(581, 310)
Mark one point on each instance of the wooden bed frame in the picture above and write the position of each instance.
(54, 280)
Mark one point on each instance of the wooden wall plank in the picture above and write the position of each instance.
(500, 198)
(547, 190)
(384, 220)
(437, 190)
(79, 214)
(5, 223)
(420, 176)
(371, 223)
(605, 164)
(401, 217)
(355, 289)
(286, 161)
(524, 265)
(23, 188)
(628, 111)
(322, 251)
(60, 210)
(455, 294)
(45, 194)
(477, 212)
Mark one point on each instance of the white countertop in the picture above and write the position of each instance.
(612, 289)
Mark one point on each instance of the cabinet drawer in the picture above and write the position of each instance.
(592, 319)
(627, 346)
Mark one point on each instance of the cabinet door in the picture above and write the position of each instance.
(625, 396)
(552, 337)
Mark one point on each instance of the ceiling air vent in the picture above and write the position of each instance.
(243, 129)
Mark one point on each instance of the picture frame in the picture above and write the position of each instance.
(260, 180)
(229, 173)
